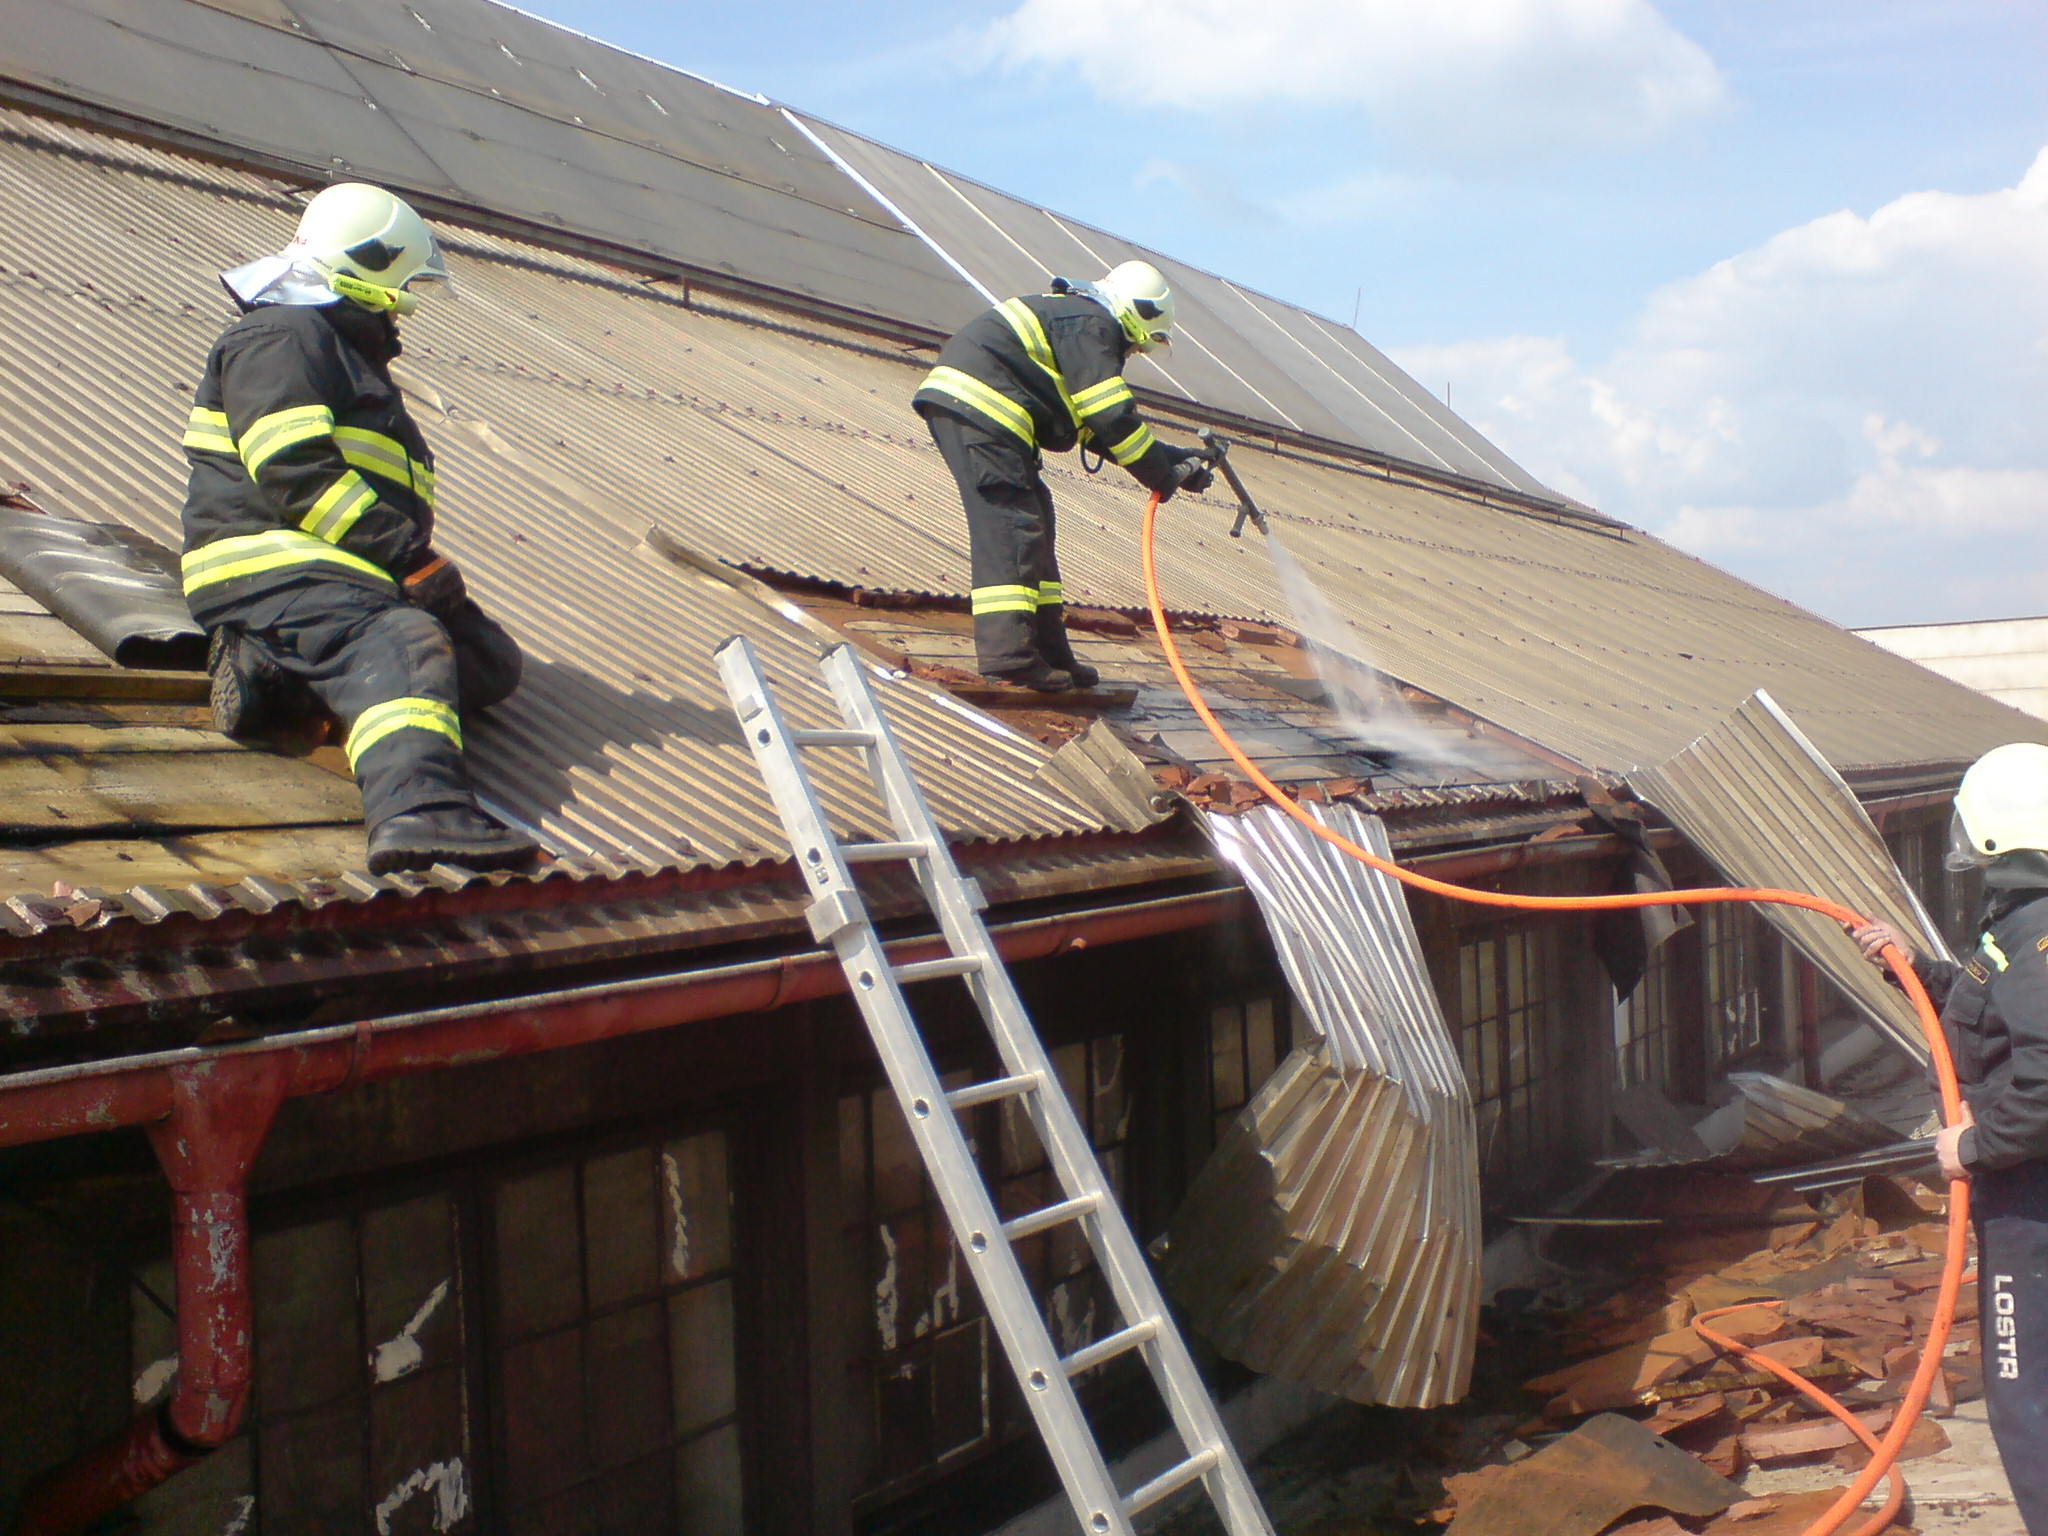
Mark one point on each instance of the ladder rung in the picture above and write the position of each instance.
(929, 970)
(832, 738)
(1171, 1479)
(1051, 1216)
(995, 1088)
(879, 853)
(1108, 1349)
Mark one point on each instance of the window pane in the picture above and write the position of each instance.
(618, 1225)
(1261, 1041)
(960, 1367)
(419, 1464)
(696, 1208)
(1106, 1084)
(411, 1311)
(899, 1174)
(708, 1485)
(311, 1466)
(700, 1347)
(307, 1349)
(538, 1259)
(634, 1500)
(1226, 1058)
(1020, 1151)
(628, 1366)
(543, 1414)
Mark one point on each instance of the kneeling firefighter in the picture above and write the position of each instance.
(1037, 373)
(309, 521)
(1994, 1009)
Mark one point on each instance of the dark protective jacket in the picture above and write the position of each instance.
(1994, 1011)
(304, 460)
(1048, 369)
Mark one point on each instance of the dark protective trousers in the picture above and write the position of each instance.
(2011, 1209)
(1019, 605)
(399, 679)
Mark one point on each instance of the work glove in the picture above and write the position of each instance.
(1191, 471)
(436, 586)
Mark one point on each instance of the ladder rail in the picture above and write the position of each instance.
(1060, 1131)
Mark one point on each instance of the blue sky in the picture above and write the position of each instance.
(1768, 279)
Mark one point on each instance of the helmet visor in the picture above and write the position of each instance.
(1962, 853)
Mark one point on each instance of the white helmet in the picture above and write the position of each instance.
(2001, 806)
(369, 244)
(1138, 294)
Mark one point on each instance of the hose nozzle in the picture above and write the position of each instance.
(1219, 455)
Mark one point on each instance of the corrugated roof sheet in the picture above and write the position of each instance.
(1334, 1236)
(482, 105)
(1233, 349)
(619, 741)
(1760, 801)
(566, 384)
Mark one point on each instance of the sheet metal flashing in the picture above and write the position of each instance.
(1333, 1238)
(1762, 803)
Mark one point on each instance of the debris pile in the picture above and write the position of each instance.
(1839, 1288)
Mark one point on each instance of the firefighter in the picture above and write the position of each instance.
(1035, 374)
(1994, 1010)
(309, 522)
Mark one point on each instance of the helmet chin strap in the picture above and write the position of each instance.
(375, 296)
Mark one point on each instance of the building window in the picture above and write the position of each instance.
(929, 1381)
(1645, 1026)
(360, 1417)
(1731, 962)
(607, 1370)
(1246, 1041)
(1512, 1035)
(613, 1344)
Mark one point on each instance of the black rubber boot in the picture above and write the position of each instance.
(1058, 650)
(446, 834)
(251, 696)
(1039, 677)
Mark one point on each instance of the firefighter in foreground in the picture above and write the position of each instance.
(309, 525)
(1994, 1008)
(1034, 374)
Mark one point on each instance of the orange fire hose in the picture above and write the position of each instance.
(1885, 1453)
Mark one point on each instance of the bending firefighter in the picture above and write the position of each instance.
(309, 523)
(1036, 374)
(1994, 1008)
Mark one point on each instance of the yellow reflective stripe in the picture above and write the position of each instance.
(254, 553)
(1004, 599)
(1132, 448)
(1051, 592)
(208, 430)
(339, 507)
(1018, 316)
(270, 435)
(380, 720)
(374, 452)
(970, 391)
(422, 482)
(1104, 396)
(1997, 955)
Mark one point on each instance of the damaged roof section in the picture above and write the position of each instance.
(1333, 1238)
(1761, 802)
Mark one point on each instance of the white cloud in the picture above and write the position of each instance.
(1851, 413)
(1442, 82)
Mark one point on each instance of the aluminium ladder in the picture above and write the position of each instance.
(837, 916)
